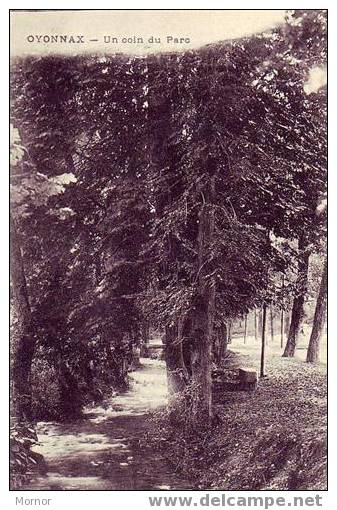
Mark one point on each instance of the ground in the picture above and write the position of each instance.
(272, 438)
(102, 450)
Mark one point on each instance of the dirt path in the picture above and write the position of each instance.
(101, 451)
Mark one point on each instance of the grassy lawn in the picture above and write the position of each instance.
(272, 438)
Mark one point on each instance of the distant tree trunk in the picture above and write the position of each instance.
(282, 314)
(245, 332)
(319, 318)
(145, 332)
(263, 341)
(223, 342)
(255, 325)
(286, 322)
(229, 334)
(23, 347)
(298, 303)
(260, 322)
(145, 338)
(217, 347)
(175, 366)
(70, 398)
(271, 311)
(116, 358)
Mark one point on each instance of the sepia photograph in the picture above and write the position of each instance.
(168, 251)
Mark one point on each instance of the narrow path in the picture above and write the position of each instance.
(102, 451)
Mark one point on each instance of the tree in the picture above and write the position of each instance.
(319, 318)
(298, 304)
(24, 338)
(99, 255)
(271, 322)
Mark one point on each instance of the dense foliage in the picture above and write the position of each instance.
(178, 188)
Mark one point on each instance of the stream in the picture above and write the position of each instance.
(102, 451)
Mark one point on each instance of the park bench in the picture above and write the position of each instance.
(234, 379)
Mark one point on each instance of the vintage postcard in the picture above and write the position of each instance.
(168, 261)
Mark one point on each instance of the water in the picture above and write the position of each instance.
(102, 450)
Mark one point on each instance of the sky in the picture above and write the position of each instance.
(317, 79)
(31, 31)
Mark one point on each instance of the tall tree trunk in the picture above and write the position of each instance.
(23, 347)
(298, 303)
(201, 357)
(176, 371)
(319, 318)
(175, 366)
(204, 308)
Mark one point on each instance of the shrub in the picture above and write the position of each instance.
(46, 396)
(22, 459)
